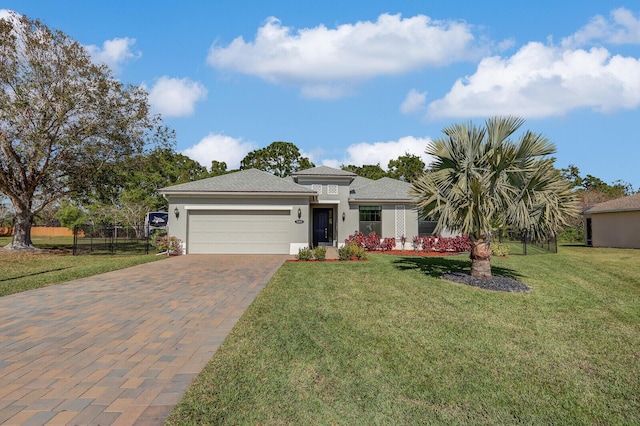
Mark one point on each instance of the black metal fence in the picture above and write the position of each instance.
(522, 244)
(110, 239)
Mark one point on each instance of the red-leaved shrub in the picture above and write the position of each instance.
(388, 244)
(442, 244)
(369, 242)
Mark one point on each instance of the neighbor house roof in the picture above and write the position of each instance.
(250, 181)
(384, 189)
(629, 203)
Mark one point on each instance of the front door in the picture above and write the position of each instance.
(322, 227)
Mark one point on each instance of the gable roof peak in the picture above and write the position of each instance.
(323, 171)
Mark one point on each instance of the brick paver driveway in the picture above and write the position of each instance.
(121, 347)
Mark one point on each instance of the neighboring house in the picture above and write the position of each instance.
(252, 211)
(614, 223)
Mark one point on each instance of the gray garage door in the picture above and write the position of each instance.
(252, 232)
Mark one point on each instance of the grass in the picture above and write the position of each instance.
(23, 271)
(50, 243)
(388, 342)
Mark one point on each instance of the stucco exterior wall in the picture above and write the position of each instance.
(616, 229)
(388, 221)
(297, 233)
(339, 202)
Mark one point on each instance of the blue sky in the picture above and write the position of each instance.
(364, 82)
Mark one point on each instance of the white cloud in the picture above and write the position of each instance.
(113, 53)
(622, 28)
(318, 57)
(381, 152)
(220, 148)
(540, 81)
(413, 102)
(176, 97)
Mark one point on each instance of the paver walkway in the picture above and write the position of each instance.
(121, 347)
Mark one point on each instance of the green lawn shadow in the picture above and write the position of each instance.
(436, 266)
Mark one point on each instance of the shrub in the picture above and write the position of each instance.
(320, 252)
(171, 245)
(157, 234)
(304, 253)
(372, 242)
(403, 241)
(351, 250)
(417, 243)
(369, 242)
(462, 243)
(388, 244)
(572, 234)
(441, 244)
(500, 250)
(357, 238)
(343, 252)
(428, 243)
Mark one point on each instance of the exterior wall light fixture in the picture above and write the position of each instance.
(344, 216)
(299, 213)
(176, 212)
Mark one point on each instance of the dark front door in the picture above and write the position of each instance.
(322, 227)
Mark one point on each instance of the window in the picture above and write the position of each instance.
(426, 227)
(370, 220)
(317, 188)
(332, 189)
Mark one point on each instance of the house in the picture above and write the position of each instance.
(252, 211)
(614, 223)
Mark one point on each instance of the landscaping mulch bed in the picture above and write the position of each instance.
(420, 253)
(497, 283)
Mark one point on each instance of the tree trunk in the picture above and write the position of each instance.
(481, 258)
(21, 230)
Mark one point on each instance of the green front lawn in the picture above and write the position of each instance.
(21, 271)
(388, 342)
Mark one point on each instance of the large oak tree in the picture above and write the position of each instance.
(62, 119)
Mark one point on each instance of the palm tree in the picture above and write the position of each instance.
(481, 177)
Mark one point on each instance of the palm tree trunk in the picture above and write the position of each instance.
(481, 258)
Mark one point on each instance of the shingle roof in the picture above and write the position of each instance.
(323, 171)
(252, 180)
(359, 181)
(384, 189)
(629, 203)
(257, 181)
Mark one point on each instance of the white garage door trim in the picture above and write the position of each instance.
(232, 230)
(242, 207)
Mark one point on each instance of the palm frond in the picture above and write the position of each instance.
(481, 177)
